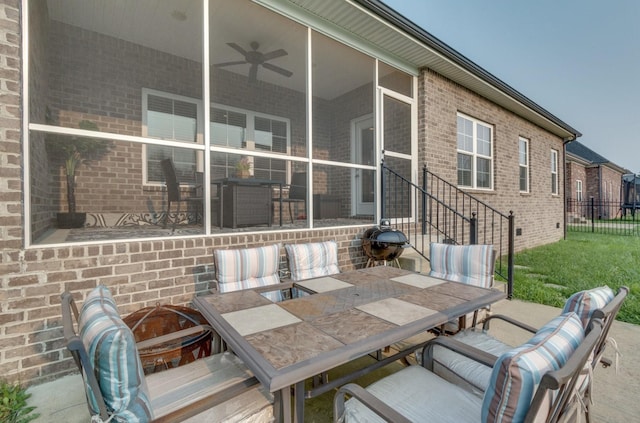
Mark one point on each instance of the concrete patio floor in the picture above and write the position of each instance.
(615, 395)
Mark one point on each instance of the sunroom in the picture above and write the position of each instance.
(271, 117)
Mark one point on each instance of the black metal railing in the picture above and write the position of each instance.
(438, 211)
(604, 217)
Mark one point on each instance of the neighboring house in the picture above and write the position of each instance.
(293, 88)
(590, 176)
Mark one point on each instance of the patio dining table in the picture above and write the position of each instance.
(348, 315)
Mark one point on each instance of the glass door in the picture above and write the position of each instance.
(363, 145)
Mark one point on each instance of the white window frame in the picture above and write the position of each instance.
(579, 189)
(554, 172)
(249, 131)
(474, 154)
(523, 141)
(170, 143)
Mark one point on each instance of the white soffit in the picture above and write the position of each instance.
(398, 47)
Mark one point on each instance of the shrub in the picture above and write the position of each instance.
(13, 404)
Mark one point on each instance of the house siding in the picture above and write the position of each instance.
(538, 213)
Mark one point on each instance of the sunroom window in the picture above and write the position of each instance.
(174, 119)
(250, 131)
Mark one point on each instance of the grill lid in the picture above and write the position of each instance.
(389, 236)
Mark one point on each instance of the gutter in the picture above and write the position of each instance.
(385, 12)
(564, 178)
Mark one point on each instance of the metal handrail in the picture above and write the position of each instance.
(438, 211)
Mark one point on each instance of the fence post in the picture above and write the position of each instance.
(510, 258)
(593, 215)
(473, 229)
(382, 193)
(424, 199)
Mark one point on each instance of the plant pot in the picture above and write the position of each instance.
(71, 220)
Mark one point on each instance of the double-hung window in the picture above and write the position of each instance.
(251, 131)
(523, 158)
(554, 172)
(174, 118)
(579, 190)
(171, 118)
(475, 153)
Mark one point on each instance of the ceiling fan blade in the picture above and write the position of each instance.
(253, 73)
(237, 48)
(237, 62)
(277, 69)
(274, 54)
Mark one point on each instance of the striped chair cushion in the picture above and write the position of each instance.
(248, 268)
(312, 260)
(470, 264)
(584, 303)
(517, 373)
(113, 354)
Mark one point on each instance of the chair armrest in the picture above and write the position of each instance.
(367, 399)
(508, 319)
(482, 357)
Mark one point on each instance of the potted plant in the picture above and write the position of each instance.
(243, 167)
(73, 151)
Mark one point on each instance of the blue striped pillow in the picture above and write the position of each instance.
(313, 259)
(112, 351)
(517, 373)
(470, 264)
(248, 268)
(584, 303)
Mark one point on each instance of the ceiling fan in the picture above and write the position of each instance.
(255, 59)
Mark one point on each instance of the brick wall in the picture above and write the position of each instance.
(139, 274)
(575, 172)
(538, 213)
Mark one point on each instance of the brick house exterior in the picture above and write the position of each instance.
(174, 269)
(599, 178)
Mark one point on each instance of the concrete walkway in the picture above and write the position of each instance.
(615, 395)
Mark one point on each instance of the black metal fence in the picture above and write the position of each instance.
(605, 217)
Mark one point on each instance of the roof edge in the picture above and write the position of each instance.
(385, 12)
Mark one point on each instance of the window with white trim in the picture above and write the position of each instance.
(523, 159)
(247, 130)
(475, 153)
(554, 172)
(578, 190)
(174, 118)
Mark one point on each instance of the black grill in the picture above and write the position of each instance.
(383, 242)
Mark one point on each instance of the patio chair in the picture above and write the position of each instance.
(173, 192)
(116, 388)
(297, 193)
(598, 303)
(527, 384)
(312, 259)
(246, 268)
(470, 264)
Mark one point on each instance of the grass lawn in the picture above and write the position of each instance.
(551, 273)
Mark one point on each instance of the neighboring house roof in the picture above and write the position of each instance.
(587, 156)
(405, 42)
(582, 151)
